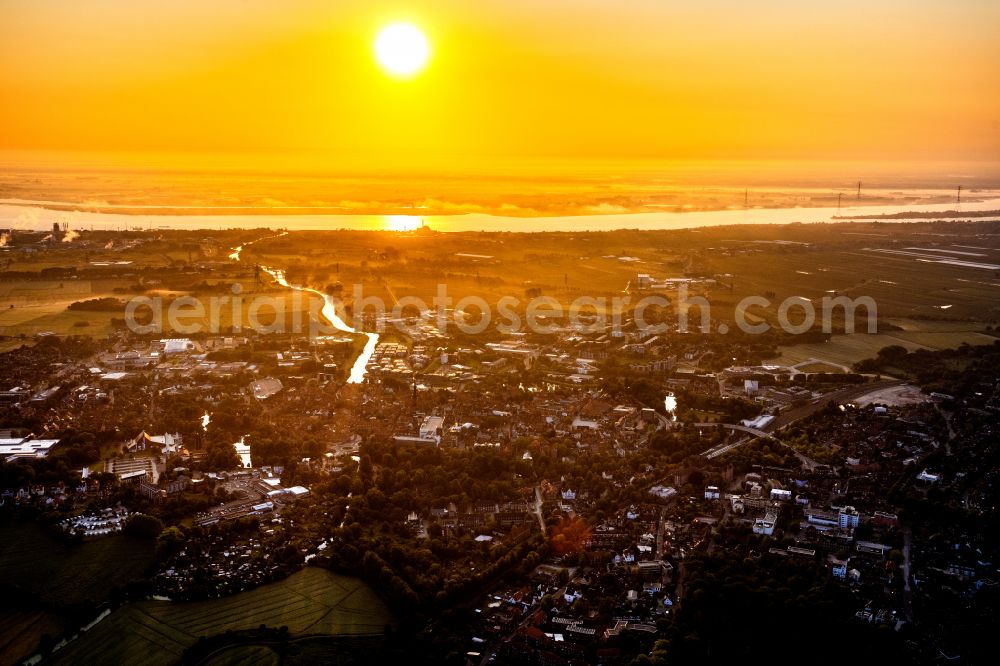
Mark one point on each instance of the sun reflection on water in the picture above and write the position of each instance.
(402, 222)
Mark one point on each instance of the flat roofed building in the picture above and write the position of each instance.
(25, 448)
(133, 469)
(177, 345)
(848, 517)
(44, 395)
(14, 396)
(137, 476)
(872, 548)
(766, 524)
(431, 428)
(263, 389)
(760, 422)
(820, 517)
(411, 439)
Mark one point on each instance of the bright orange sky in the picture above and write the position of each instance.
(522, 79)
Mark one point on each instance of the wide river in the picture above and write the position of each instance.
(20, 216)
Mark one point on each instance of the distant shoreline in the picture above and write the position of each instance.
(918, 215)
(181, 210)
(38, 217)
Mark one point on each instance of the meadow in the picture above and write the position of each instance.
(22, 629)
(849, 349)
(328, 650)
(311, 602)
(245, 655)
(34, 306)
(41, 575)
(28, 309)
(60, 573)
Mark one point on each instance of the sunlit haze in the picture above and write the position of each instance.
(499, 332)
(513, 80)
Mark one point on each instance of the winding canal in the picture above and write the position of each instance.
(329, 312)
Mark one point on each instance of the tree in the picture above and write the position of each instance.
(892, 353)
(143, 526)
(169, 542)
(570, 536)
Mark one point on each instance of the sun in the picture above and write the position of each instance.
(402, 49)
(402, 222)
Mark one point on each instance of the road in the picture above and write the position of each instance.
(790, 416)
(659, 533)
(717, 451)
(839, 396)
(951, 430)
(733, 426)
(907, 592)
(538, 508)
(679, 589)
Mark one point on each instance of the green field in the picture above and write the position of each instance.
(849, 349)
(47, 312)
(21, 630)
(820, 366)
(60, 573)
(53, 575)
(10, 344)
(328, 650)
(901, 286)
(245, 655)
(35, 306)
(312, 601)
